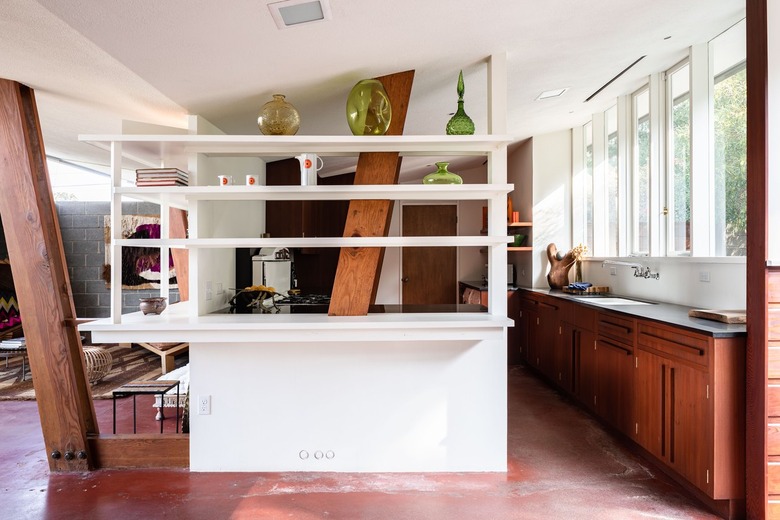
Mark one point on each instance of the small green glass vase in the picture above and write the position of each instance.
(368, 108)
(460, 123)
(442, 175)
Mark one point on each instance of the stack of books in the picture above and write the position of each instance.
(13, 344)
(161, 177)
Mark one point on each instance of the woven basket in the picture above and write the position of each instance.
(99, 363)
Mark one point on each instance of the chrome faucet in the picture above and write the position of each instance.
(640, 271)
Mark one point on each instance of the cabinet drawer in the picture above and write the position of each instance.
(617, 327)
(582, 317)
(674, 343)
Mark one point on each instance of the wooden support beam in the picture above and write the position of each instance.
(757, 351)
(141, 450)
(181, 257)
(357, 274)
(43, 290)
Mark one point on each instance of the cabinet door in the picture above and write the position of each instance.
(690, 425)
(564, 357)
(535, 338)
(516, 343)
(650, 373)
(614, 390)
(549, 324)
(586, 367)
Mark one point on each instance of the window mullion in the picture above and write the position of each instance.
(702, 230)
(600, 226)
(657, 124)
(624, 199)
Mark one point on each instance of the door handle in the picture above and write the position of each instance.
(405, 279)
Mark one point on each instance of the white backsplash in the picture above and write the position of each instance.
(680, 281)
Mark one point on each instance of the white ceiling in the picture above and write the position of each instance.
(94, 63)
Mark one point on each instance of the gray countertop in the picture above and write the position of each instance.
(661, 312)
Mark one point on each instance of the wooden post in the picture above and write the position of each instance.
(357, 274)
(757, 456)
(181, 257)
(42, 284)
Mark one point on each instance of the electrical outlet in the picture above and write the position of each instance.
(219, 287)
(209, 290)
(204, 405)
(704, 276)
(613, 271)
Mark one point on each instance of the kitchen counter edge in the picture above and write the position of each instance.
(666, 313)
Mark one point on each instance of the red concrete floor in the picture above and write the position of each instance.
(562, 465)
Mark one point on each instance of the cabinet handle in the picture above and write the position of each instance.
(405, 279)
(699, 351)
(610, 325)
(615, 346)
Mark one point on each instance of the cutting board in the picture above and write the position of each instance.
(594, 289)
(718, 315)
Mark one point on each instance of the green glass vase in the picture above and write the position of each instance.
(442, 175)
(368, 108)
(460, 123)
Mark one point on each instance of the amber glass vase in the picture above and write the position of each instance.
(278, 117)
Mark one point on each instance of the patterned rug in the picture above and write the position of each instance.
(129, 364)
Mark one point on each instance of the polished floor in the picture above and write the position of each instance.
(562, 465)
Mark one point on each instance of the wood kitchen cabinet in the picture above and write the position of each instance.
(689, 398)
(516, 341)
(315, 268)
(585, 368)
(614, 370)
(677, 393)
(309, 218)
(544, 334)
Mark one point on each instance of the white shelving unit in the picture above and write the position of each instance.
(348, 380)
(182, 149)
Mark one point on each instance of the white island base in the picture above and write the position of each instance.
(377, 393)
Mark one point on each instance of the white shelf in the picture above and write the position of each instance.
(180, 196)
(231, 243)
(153, 147)
(183, 148)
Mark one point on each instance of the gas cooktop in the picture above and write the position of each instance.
(304, 299)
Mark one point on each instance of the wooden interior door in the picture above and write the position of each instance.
(429, 274)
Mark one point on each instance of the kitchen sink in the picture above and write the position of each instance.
(609, 300)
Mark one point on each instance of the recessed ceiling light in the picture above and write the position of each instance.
(547, 94)
(296, 12)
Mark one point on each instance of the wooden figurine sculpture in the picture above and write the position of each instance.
(558, 277)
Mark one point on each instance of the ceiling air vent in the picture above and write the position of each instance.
(298, 12)
(608, 83)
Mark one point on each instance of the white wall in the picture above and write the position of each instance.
(679, 282)
(409, 405)
(551, 200)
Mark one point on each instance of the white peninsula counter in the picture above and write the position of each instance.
(422, 392)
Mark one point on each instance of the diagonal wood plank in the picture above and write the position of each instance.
(42, 283)
(357, 274)
(181, 257)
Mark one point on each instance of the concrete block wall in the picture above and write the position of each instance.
(81, 225)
